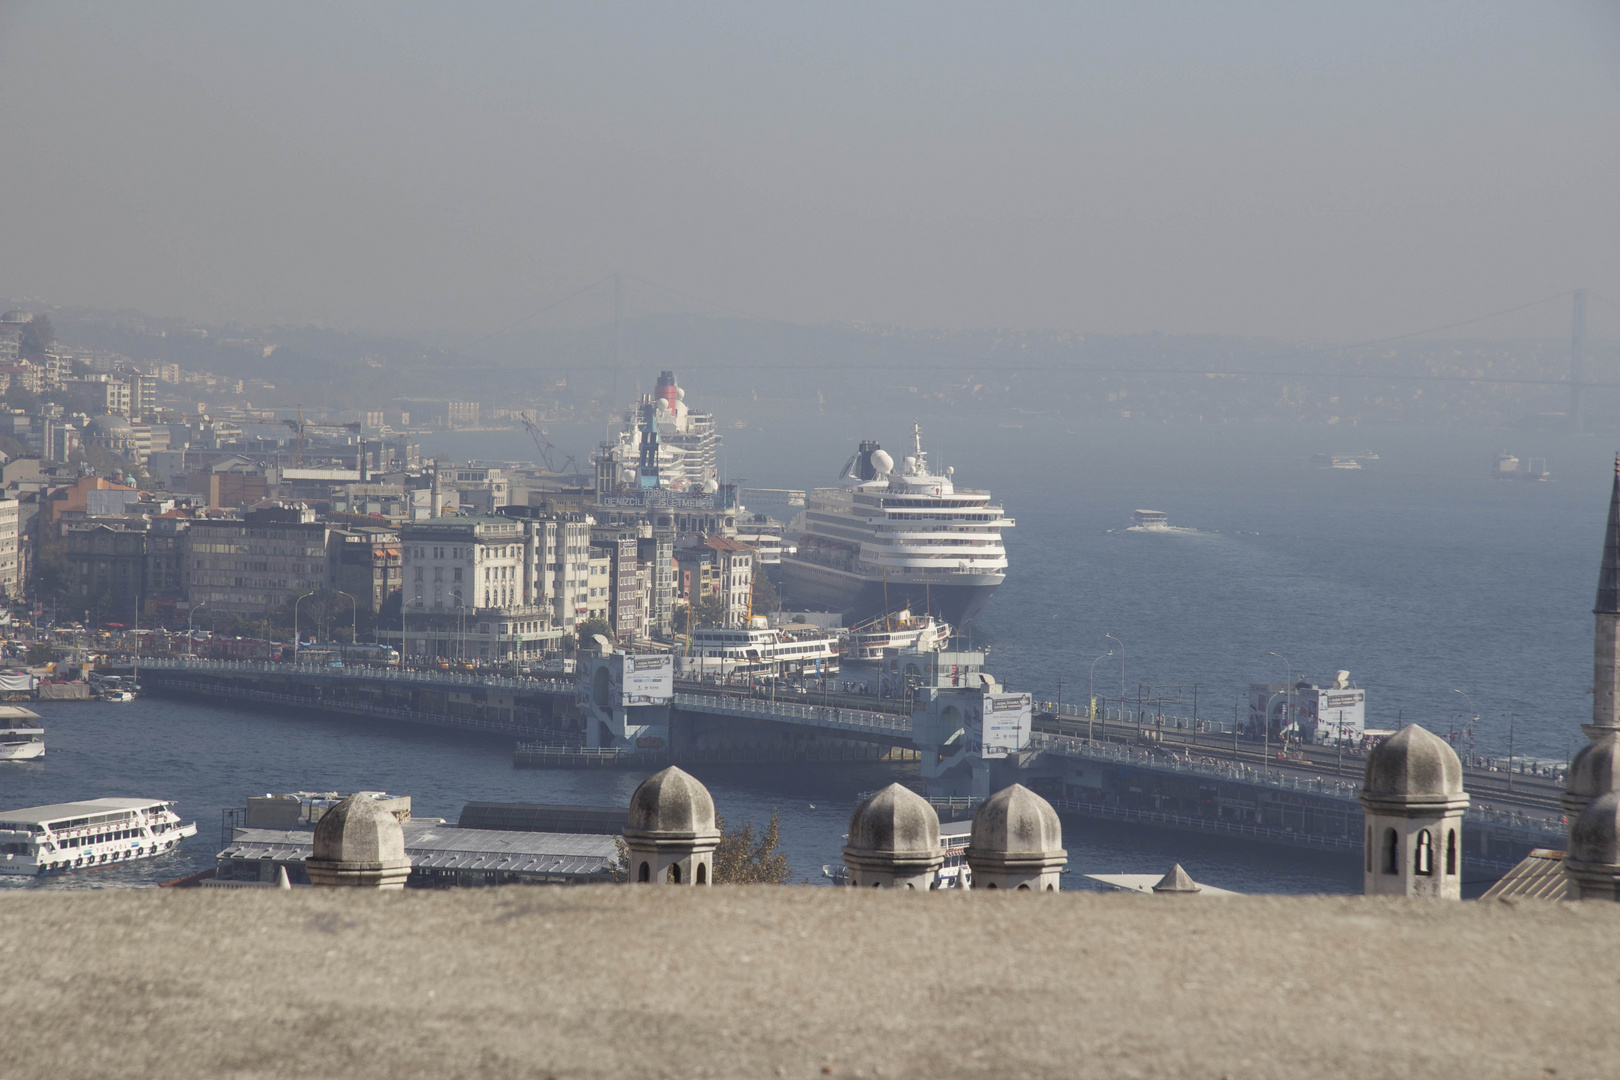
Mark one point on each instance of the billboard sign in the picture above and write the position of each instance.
(998, 724)
(644, 680)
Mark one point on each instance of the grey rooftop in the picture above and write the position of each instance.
(765, 981)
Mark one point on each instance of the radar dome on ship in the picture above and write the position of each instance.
(711, 485)
(680, 392)
(911, 463)
(882, 462)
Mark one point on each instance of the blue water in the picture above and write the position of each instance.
(1419, 574)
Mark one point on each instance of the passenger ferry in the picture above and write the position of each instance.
(1150, 519)
(39, 840)
(783, 651)
(899, 631)
(897, 534)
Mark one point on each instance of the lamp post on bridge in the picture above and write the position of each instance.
(300, 600)
(191, 612)
(1473, 718)
(1121, 645)
(1091, 700)
(1288, 702)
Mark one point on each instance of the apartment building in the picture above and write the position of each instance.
(255, 563)
(367, 562)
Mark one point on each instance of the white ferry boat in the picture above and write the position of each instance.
(1150, 519)
(899, 631)
(40, 840)
(782, 650)
(892, 537)
(21, 736)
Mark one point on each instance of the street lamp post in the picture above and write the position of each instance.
(1121, 645)
(295, 622)
(1473, 717)
(1091, 700)
(1266, 723)
(402, 608)
(461, 625)
(191, 649)
(1288, 691)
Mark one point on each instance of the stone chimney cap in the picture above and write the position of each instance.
(895, 821)
(1595, 837)
(1177, 881)
(671, 803)
(1413, 766)
(358, 832)
(1016, 821)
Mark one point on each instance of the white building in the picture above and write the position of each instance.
(10, 564)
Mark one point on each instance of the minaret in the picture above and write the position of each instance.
(1595, 772)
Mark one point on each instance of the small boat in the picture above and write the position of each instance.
(117, 693)
(21, 740)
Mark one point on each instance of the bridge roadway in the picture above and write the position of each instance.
(853, 716)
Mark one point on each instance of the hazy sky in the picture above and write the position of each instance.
(1325, 171)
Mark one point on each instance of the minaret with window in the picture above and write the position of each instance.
(1414, 803)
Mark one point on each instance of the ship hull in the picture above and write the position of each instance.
(824, 588)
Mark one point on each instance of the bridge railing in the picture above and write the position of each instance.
(457, 678)
(1528, 827)
(828, 716)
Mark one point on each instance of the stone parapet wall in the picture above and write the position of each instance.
(801, 982)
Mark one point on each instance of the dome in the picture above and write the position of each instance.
(896, 821)
(1595, 837)
(1015, 820)
(110, 424)
(1593, 772)
(671, 802)
(882, 462)
(359, 830)
(1413, 765)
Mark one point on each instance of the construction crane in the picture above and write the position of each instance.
(301, 425)
(548, 449)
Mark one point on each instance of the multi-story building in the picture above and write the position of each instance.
(11, 581)
(599, 590)
(109, 562)
(656, 554)
(620, 545)
(733, 578)
(143, 395)
(474, 589)
(253, 564)
(481, 489)
(367, 562)
(102, 393)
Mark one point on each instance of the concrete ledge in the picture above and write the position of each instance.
(610, 981)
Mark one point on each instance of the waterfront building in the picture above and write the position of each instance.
(1414, 802)
(366, 561)
(598, 590)
(255, 563)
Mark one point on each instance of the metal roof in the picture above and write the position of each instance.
(39, 815)
(432, 846)
(1539, 876)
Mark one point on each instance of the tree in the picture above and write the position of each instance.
(710, 611)
(39, 654)
(53, 578)
(765, 599)
(744, 859)
(38, 335)
(589, 629)
(740, 859)
(321, 614)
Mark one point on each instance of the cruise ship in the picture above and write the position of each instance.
(889, 538)
(40, 840)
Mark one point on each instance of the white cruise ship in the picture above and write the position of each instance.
(21, 737)
(888, 539)
(40, 840)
